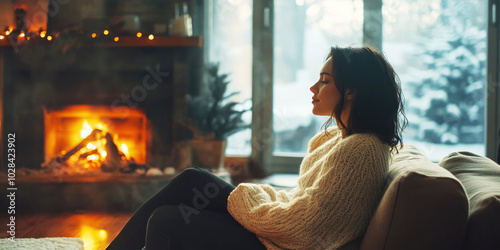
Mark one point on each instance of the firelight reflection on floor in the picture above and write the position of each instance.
(93, 239)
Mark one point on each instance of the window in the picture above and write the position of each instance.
(230, 44)
(438, 49)
(303, 33)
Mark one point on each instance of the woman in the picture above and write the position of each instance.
(340, 182)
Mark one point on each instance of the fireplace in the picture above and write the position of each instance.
(120, 138)
(55, 96)
(136, 92)
(92, 90)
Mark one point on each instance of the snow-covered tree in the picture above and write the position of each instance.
(450, 89)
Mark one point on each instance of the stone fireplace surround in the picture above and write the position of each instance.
(53, 77)
(46, 77)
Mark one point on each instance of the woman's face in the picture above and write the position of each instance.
(326, 96)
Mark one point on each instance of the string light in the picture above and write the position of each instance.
(43, 34)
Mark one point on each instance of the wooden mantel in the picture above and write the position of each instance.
(133, 41)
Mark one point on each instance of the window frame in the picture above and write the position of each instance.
(493, 82)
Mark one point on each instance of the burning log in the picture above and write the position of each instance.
(114, 157)
(97, 150)
(94, 135)
(84, 155)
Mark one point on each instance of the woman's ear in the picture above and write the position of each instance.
(349, 95)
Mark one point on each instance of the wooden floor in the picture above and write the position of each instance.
(96, 230)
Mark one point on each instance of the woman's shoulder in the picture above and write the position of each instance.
(323, 136)
(363, 137)
(364, 142)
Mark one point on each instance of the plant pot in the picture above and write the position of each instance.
(208, 154)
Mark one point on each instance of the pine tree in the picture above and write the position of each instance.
(451, 89)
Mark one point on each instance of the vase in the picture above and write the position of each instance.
(208, 154)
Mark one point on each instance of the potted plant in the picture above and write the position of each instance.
(212, 118)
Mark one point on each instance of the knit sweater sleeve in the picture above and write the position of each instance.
(334, 207)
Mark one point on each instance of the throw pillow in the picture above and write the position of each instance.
(481, 179)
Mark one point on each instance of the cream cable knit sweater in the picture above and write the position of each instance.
(339, 186)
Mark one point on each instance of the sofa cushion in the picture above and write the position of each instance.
(481, 179)
(423, 207)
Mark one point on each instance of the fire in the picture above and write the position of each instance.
(84, 137)
(86, 130)
(94, 154)
(124, 149)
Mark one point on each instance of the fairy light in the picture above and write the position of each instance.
(1, 37)
(43, 34)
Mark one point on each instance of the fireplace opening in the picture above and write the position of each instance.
(86, 138)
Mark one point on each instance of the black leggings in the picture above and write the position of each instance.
(189, 213)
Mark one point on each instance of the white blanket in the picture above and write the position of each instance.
(51, 243)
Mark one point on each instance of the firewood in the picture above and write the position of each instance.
(94, 135)
(113, 155)
(92, 152)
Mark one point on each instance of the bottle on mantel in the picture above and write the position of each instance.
(186, 18)
(182, 24)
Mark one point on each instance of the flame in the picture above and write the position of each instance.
(86, 129)
(124, 149)
(95, 150)
(92, 157)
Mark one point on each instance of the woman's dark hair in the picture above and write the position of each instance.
(377, 101)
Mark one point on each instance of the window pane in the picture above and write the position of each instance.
(304, 31)
(438, 48)
(231, 46)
